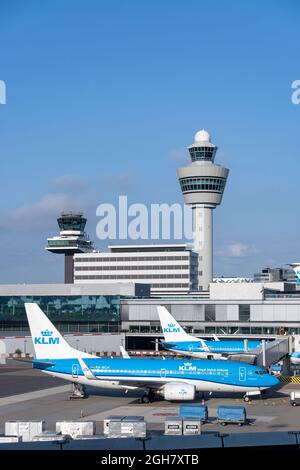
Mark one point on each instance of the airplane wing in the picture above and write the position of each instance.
(204, 345)
(242, 357)
(130, 382)
(86, 370)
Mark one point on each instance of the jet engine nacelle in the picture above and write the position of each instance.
(178, 392)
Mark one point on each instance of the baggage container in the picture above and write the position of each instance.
(173, 426)
(191, 426)
(9, 439)
(75, 428)
(107, 420)
(49, 436)
(190, 411)
(131, 426)
(232, 414)
(25, 429)
(295, 398)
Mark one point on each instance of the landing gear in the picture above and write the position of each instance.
(78, 391)
(248, 395)
(147, 397)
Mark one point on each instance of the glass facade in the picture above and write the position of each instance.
(71, 222)
(63, 243)
(133, 268)
(69, 313)
(202, 153)
(244, 312)
(210, 313)
(202, 184)
(117, 259)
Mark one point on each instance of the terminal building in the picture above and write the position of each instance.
(168, 269)
(271, 274)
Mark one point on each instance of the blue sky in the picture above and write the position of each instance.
(103, 97)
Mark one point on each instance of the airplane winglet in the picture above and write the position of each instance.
(124, 353)
(86, 370)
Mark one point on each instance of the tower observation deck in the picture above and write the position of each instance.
(72, 239)
(202, 184)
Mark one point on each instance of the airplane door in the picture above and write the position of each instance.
(163, 372)
(75, 371)
(242, 374)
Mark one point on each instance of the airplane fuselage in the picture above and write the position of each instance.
(217, 349)
(154, 373)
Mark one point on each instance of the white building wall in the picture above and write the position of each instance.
(221, 313)
(243, 291)
(121, 267)
(233, 312)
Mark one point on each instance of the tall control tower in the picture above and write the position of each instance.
(202, 184)
(72, 239)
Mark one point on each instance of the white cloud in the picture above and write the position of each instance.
(237, 250)
(68, 183)
(40, 214)
(120, 181)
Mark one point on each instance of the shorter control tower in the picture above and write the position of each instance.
(72, 239)
(202, 184)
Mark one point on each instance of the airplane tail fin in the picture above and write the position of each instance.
(296, 269)
(48, 343)
(172, 331)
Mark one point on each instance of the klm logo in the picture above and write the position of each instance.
(46, 338)
(171, 328)
(188, 367)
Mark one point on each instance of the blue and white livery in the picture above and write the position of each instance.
(296, 269)
(172, 379)
(178, 341)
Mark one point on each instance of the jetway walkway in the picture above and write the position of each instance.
(272, 352)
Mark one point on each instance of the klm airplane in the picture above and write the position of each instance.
(178, 341)
(174, 380)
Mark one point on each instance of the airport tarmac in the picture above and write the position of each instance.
(27, 394)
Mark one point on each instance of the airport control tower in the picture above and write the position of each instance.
(202, 184)
(72, 239)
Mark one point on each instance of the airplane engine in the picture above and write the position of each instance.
(178, 392)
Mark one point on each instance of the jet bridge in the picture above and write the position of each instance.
(272, 352)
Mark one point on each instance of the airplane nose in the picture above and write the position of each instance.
(273, 381)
